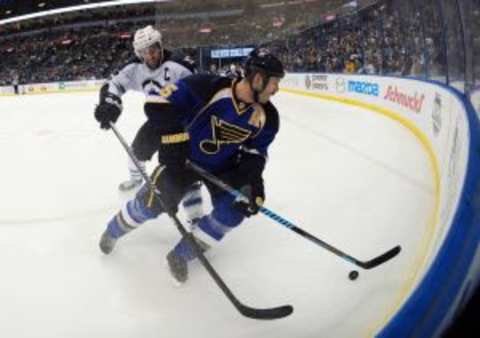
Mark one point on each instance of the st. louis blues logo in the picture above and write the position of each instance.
(223, 133)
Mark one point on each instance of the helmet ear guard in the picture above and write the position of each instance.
(145, 38)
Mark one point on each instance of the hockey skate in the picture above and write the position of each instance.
(178, 267)
(130, 184)
(107, 242)
(178, 262)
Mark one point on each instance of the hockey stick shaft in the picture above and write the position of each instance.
(271, 313)
(289, 225)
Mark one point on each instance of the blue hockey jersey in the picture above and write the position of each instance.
(220, 126)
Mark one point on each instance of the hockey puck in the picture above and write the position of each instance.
(353, 275)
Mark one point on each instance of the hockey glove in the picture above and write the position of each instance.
(250, 203)
(248, 177)
(109, 108)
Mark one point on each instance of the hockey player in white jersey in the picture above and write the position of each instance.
(153, 69)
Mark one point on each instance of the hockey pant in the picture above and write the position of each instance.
(144, 145)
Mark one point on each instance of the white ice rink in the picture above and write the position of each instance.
(353, 178)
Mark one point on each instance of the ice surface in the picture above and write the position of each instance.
(357, 180)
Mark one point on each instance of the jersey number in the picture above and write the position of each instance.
(168, 90)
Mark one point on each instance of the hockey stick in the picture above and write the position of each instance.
(289, 225)
(247, 311)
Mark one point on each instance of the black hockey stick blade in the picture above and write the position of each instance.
(267, 314)
(380, 259)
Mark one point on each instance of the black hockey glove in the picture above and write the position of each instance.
(109, 108)
(248, 177)
(253, 200)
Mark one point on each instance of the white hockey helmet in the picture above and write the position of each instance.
(144, 38)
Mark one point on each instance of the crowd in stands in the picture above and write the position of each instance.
(373, 41)
(384, 38)
(63, 56)
(70, 47)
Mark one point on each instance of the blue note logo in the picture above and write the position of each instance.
(223, 133)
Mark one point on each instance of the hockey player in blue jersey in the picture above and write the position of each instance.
(223, 125)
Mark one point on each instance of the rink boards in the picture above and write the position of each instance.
(446, 125)
(53, 87)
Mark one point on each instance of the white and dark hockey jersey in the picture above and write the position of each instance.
(137, 76)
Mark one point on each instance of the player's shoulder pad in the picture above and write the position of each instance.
(134, 62)
(273, 117)
(206, 85)
(131, 63)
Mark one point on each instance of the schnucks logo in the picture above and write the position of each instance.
(362, 87)
(411, 102)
